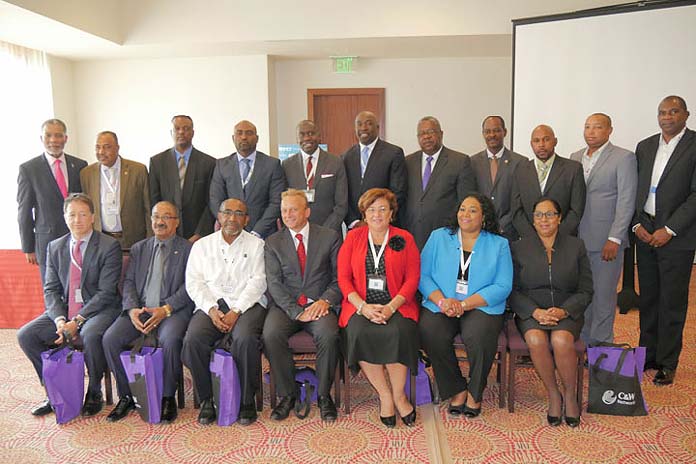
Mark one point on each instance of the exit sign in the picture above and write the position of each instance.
(344, 64)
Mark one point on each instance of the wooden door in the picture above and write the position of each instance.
(334, 111)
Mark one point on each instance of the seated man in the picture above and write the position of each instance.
(226, 279)
(154, 299)
(77, 310)
(301, 300)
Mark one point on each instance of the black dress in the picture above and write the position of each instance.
(394, 342)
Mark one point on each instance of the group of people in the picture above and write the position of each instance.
(438, 244)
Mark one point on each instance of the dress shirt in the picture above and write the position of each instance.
(186, 154)
(497, 155)
(235, 272)
(370, 149)
(435, 156)
(315, 161)
(111, 222)
(549, 164)
(588, 162)
(664, 152)
(252, 158)
(83, 248)
(63, 166)
(305, 239)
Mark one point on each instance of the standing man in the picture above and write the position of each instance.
(611, 176)
(552, 176)
(82, 272)
(665, 228)
(320, 175)
(371, 163)
(42, 185)
(181, 175)
(120, 191)
(251, 176)
(495, 172)
(303, 284)
(226, 280)
(154, 299)
(438, 180)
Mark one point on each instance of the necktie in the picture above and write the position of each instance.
(75, 279)
(542, 171)
(154, 278)
(310, 180)
(246, 167)
(302, 258)
(364, 158)
(60, 178)
(428, 171)
(494, 168)
(182, 171)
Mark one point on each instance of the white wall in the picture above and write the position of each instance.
(460, 92)
(64, 99)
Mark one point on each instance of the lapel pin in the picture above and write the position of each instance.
(176, 252)
(507, 161)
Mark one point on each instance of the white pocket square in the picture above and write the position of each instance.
(324, 176)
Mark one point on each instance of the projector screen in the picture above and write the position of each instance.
(619, 61)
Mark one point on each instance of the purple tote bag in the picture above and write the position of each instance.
(144, 368)
(226, 388)
(423, 389)
(64, 377)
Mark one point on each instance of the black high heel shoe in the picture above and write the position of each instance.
(572, 421)
(471, 412)
(457, 410)
(389, 421)
(555, 421)
(410, 418)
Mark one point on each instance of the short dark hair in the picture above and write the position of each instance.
(490, 218)
(113, 134)
(54, 121)
(182, 116)
(604, 115)
(502, 121)
(679, 99)
(555, 204)
(80, 198)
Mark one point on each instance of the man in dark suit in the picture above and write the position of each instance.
(251, 176)
(371, 163)
(302, 281)
(552, 176)
(82, 274)
(42, 185)
(665, 228)
(181, 175)
(321, 175)
(154, 299)
(495, 168)
(438, 180)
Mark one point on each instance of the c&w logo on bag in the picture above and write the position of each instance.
(624, 398)
(609, 397)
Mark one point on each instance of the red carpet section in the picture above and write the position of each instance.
(20, 287)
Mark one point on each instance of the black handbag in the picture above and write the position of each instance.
(613, 393)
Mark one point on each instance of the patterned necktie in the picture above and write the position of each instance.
(542, 171)
(364, 158)
(74, 282)
(154, 278)
(302, 258)
(246, 167)
(428, 171)
(182, 171)
(60, 178)
(310, 180)
(494, 168)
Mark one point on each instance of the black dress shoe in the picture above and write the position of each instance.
(247, 414)
(664, 376)
(456, 410)
(123, 407)
(207, 415)
(42, 408)
(410, 418)
(554, 421)
(471, 412)
(572, 421)
(327, 408)
(169, 411)
(93, 404)
(282, 411)
(389, 421)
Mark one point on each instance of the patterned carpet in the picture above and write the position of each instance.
(666, 435)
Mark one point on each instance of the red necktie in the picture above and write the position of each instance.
(310, 180)
(302, 258)
(60, 178)
(75, 277)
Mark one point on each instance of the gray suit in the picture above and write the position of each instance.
(101, 270)
(499, 192)
(330, 187)
(261, 194)
(609, 207)
(285, 284)
(172, 329)
(451, 180)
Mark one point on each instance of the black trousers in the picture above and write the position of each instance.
(200, 339)
(38, 336)
(278, 328)
(478, 330)
(663, 276)
(170, 334)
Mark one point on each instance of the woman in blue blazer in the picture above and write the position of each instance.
(466, 276)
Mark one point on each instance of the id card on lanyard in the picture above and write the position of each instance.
(462, 288)
(375, 281)
(111, 207)
(78, 290)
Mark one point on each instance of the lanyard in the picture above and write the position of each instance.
(248, 177)
(376, 255)
(464, 265)
(312, 173)
(109, 184)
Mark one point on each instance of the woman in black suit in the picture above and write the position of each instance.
(552, 287)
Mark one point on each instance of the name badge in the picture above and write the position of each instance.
(462, 287)
(376, 282)
(78, 296)
(309, 193)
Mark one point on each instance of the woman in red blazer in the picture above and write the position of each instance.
(378, 272)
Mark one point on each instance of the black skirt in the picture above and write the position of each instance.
(572, 326)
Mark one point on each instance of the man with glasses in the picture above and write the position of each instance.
(82, 272)
(226, 279)
(154, 301)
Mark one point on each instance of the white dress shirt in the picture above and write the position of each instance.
(588, 162)
(63, 167)
(110, 196)
(664, 153)
(424, 162)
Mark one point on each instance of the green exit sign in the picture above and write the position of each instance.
(344, 64)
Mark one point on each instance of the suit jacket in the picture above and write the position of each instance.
(402, 270)
(134, 196)
(192, 202)
(610, 200)
(675, 200)
(385, 169)
(285, 281)
(565, 184)
(330, 187)
(261, 194)
(450, 181)
(499, 192)
(40, 214)
(173, 290)
(101, 271)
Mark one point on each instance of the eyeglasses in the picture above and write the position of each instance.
(229, 212)
(427, 132)
(166, 217)
(547, 215)
(380, 210)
